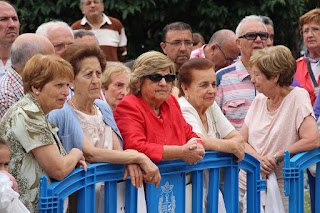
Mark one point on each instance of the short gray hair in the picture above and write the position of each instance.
(246, 19)
(20, 54)
(43, 28)
(82, 2)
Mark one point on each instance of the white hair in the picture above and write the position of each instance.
(43, 28)
(246, 19)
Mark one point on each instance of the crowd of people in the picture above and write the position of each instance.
(68, 100)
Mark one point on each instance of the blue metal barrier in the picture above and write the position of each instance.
(169, 196)
(293, 174)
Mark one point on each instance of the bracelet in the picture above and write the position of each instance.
(277, 159)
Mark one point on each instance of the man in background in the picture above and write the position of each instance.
(9, 31)
(108, 30)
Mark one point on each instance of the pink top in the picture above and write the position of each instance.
(270, 132)
(93, 126)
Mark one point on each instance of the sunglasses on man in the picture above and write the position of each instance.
(254, 35)
(158, 77)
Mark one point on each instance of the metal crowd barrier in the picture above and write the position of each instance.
(169, 196)
(293, 174)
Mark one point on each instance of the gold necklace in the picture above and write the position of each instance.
(94, 108)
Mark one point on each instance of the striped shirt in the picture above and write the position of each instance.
(198, 53)
(235, 93)
(11, 90)
(111, 36)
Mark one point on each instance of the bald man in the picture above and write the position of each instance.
(23, 48)
(221, 49)
(9, 31)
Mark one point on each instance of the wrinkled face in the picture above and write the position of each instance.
(262, 84)
(223, 56)
(87, 83)
(155, 93)
(202, 90)
(271, 35)
(60, 38)
(311, 36)
(247, 47)
(9, 24)
(53, 94)
(87, 39)
(180, 46)
(116, 90)
(92, 8)
(4, 158)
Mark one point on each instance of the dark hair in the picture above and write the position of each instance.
(266, 20)
(80, 33)
(74, 53)
(197, 38)
(187, 69)
(174, 26)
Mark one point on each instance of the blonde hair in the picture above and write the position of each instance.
(41, 69)
(112, 70)
(148, 63)
(273, 61)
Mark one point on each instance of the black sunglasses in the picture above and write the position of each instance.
(158, 77)
(253, 35)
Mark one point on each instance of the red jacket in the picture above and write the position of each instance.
(143, 131)
(303, 77)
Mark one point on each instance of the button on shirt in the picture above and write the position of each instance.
(11, 90)
(235, 93)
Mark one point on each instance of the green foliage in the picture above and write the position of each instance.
(145, 19)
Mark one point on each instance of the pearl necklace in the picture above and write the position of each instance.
(94, 108)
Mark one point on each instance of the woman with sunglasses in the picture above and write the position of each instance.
(149, 118)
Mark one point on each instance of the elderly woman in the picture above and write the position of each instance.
(150, 119)
(88, 124)
(35, 147)
(280, 117)
(308, 66)
(115, 81)
(197, 85)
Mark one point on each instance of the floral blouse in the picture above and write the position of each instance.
(25, 127)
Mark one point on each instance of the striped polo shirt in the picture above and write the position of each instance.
(111, 36)
(235, 93)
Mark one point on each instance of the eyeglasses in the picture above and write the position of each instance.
(158, 77)
(178, 43)
(312, 29)
(254, 35)
(225, 57)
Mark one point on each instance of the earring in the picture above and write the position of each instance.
(72, 88)
(187, 98)
(37, 92)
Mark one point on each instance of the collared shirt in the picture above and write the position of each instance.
(85, 21)
(11, 90)
(4, 67)
(198, 53)
(110, 34)
(235, 93)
